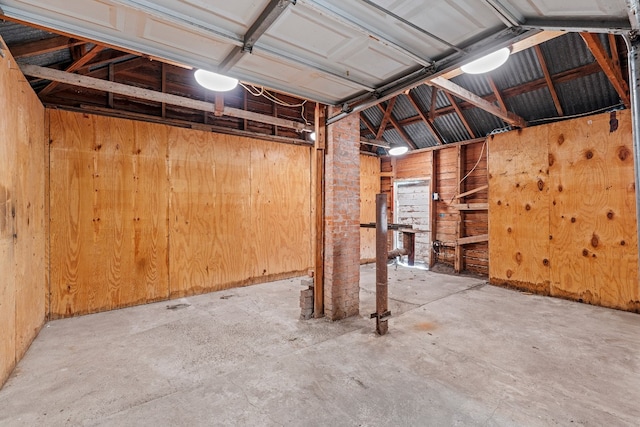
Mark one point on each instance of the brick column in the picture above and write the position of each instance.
(342, 218)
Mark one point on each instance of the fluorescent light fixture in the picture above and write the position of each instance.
(215, 81)
(487, 63)
(398, 149)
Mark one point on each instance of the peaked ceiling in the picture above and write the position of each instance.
(349, 53)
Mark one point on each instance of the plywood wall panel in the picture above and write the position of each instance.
(280, 207)
(593, 221)
(108, 213)
(29, 220)
(235, 204)
(369, 187)
(587, 174)
(210, 204)
(22, 215)
(8, 172)
(518, 207)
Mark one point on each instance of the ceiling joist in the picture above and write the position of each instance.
(151, 95)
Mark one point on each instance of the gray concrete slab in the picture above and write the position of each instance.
(459, 352)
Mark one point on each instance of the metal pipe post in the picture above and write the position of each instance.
(382, 313)
(633, 45)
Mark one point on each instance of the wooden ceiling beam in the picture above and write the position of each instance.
(386, 117)
(607, 65)
(73, 67)
(154, 96)
(427, 120)
(478, 101)
(549, 80)
(39, 47)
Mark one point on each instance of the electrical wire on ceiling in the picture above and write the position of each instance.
(616, 107)
(271, 97)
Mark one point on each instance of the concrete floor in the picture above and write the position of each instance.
(459, 352)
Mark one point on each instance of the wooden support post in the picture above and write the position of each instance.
(111, 78)
(382, 248)
(163, 88)
(432, 205)
(459, 250)
(318, 195)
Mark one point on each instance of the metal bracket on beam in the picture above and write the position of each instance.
(259, 27)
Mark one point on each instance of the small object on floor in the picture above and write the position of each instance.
(178, 306)
(226, 296)
(306, 299)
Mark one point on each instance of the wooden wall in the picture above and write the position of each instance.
(445, 166)
(23, 274)
(369, 187)
(142, 212)
(108, 198)
(562, 211)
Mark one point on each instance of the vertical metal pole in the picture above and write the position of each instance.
(633, 46)
(381, 313)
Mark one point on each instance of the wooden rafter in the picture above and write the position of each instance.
(400, 129)
(40, 47)
(368, 124)
(458, 111)
(564, 76)
(478, 101)
(371, 129)
(427, 120)
(73, 67)
(386, 117)
(607, 65)
(497, 93)
(615, 55)
(549, 80)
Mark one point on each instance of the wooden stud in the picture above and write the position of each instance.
(459, 251)
(163, 87)
(318, 203)
(112, 76)
(432, 204)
